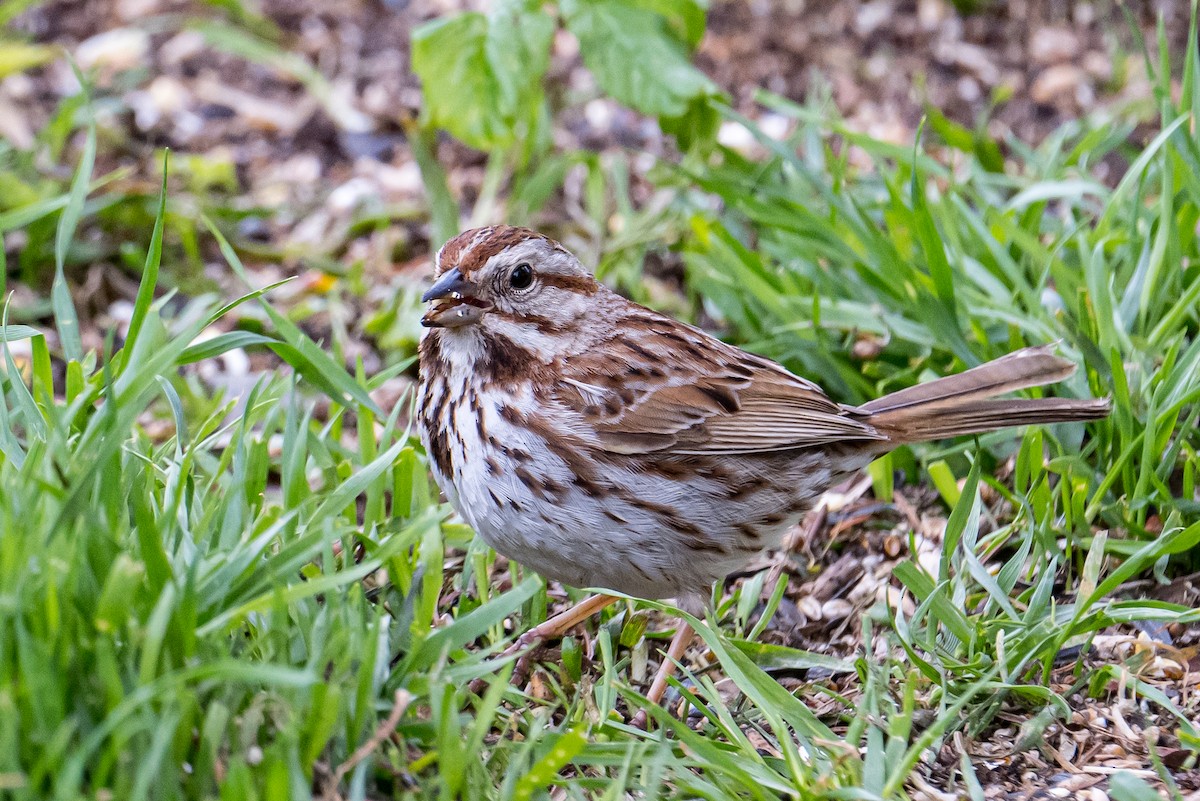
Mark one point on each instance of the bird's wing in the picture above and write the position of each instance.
(660, 386)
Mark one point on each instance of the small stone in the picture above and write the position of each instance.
(1098, 65)
(181, 47)
(14, 126)
(1057, 83)
(972, 58)
(566, 46)
(896, 598)
(1052, 301)
(377, 99)
(404, 180)
(737, 137)
(867, 346)
(351, 195)
(836, 609)
(169, 94)
(254, 229)
(164, 97)
(871, 16)
(369, 145)
(892, 546)
(1053, 46)
(134, 10)
(810, 607)
(968, 89)
(931, 13)
(774, 125)
(930, 561)
(599, 114)
(18, 86)
(878, 67)
(113, 51)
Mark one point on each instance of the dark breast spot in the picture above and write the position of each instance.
(439, 447)
(503, 361)
(616, 518)
(589, 487)
(544, 487)
(750, 533)
(674, 469)
(430, 350)
(743, 489)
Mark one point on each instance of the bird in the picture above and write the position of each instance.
(606, 445)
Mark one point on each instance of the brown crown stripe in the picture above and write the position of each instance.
(470, 250)
(504, 361)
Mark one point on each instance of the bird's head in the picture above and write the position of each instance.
(507, 281)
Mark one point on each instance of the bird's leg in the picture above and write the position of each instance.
(679, 643)
(552, 628)
(561, 623)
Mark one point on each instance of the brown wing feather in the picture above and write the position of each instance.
(675, 389)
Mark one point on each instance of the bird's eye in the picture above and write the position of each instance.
(521, 276)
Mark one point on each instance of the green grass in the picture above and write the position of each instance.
(214, 597)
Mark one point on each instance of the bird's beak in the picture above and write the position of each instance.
(455, 302)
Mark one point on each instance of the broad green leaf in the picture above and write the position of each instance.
(686, 17)
(482, 73)
(695, 128)
(634, 56)
(1125, 786)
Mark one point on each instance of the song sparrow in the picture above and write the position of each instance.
(606, 445)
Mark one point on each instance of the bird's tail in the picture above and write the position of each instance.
(965, 403)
